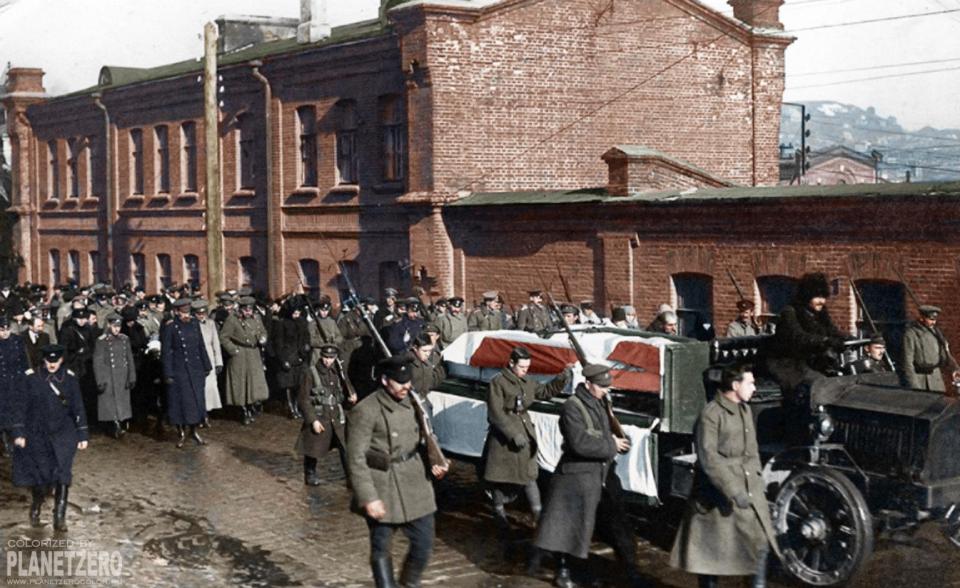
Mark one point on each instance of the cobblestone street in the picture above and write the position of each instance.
(236, 512)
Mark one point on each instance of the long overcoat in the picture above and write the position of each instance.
(716, 537)
(245, 382)
(116, 375)
(211, 341)
(48, 412)
(923, 356)
(505, 462)
(796, 352)
(320, 399)
(385, 460)
(13, 363)
(576, 485)
(290, 340)
(185, 368)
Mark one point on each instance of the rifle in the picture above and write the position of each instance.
(427, 439)
(736, 285)
(866, 314)
(338, 363)
(615, 427)
(936, 332)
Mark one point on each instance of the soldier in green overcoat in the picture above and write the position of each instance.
(726, 529)
(926, 353)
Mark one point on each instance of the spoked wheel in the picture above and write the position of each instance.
(824, 528)
(951, 525)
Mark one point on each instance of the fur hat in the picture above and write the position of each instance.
(812, 286)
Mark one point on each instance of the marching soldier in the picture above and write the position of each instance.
(926, 352)
(487, 317)
(534, 317)
(746, 324)
(872, 361)
(115, 374)
(185, 369)
(405, 329)
(453, 323)
(389, 477)
(427, 368)
(585, 490)
(323, 331)
(49, 425)
(510, 451)
(242, 336)
(726, 529)
(321, 399)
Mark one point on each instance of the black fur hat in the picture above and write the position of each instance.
(812, 286)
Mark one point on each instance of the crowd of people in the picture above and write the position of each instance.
(82, 355)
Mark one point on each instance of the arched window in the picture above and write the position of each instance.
(138, 270)
(694, 302)
(310, 275)
(393, 138)
(307, 129)
(247, 277)
(73, 266)
(886, 303)
(161, 165)
(191, 271)
(54, 267)
(351, 269)
(188, 157)
(775, 293)
(136, 161)
(347, 164)
(164, 278)
(246, 169)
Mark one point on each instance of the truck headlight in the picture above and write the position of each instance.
(824, 426)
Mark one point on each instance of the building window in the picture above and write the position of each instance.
(136, 161)
(161, 165)
(248, 272)
(91, 166)
(347, 166)
(307, 128)
(390, 276)
(191, 271)
(310, 275)
(53, 171)
(164, 279)
(246, 174)
(73, 266)
(54, 267)
(93, 259)
(352, 269)
(73, 168)
(188, 157)
(775, 293)
(138, 270)
(694, 303)
(886, 304)
(393, 139)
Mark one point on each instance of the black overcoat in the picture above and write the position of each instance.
(13, 362)
(185, 368)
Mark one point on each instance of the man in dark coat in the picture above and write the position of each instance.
(585, 490)
(13, 363)
(321, 400)
(34, 340)
(405, 330)
(510, 452)
(113, 368)
(726, 529)
(49, 426)
(427, 367)
(290, 340)
(185, 368)
(873, 360)
(534, 317)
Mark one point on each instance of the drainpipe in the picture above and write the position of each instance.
(108, 192)
(274, 272)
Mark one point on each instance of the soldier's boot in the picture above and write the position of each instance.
(310, 473)
(60, 507)
(382, 568)
(760, 577)
(246, 418)
(706, 581)
(181, 437)
(563, 578)
(38, 494)
(412, 572)
(292, 405)
(117, 430)
(196, 436)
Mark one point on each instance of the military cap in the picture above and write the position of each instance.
(618, 314)
(597, 374)
(396, 368)
(586, 304)
(156, 299)
(181, 302)
(368, 300)
(490, 295)
(323, 305)
(930, 311)
(877, 339)
(244, 292)
(412, 302)
(139, 288)
(79, 313)
(431, 328)
(440, 302)
(389, 292)
(114, 318)
(745, 304)
(68, 295)
(52, 353)
(456, 302)
(247, 301)
(130, 313)
(329, 350)
(225, 297)
(4, 322)
(198, 305)
(569, 309)
(536, 292)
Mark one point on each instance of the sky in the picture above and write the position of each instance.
(72, 39)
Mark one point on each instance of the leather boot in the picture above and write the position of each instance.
(117, 430)
(705, 581)
(383, 572)
(760, 577)
(291, 404)
(60, 507)
(181, 437)
(247, 418)
(563, 578)
(196, 436)
(310, 474)
(412, 572)
(38, 493)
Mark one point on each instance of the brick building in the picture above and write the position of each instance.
(615, 134)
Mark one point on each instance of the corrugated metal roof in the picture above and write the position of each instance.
(599, 195)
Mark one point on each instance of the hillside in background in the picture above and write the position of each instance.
(930, 154)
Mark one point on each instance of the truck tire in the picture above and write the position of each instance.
(823, 526)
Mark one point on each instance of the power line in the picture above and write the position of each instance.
(873, 20)
(872, 67)
(870, 79)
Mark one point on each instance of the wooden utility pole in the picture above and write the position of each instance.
(211, 120)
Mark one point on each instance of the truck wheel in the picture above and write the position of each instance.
(823, 526)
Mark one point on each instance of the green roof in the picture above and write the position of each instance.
(600, 195)
(124, 76)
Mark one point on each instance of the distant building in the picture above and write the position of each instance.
(834, 166)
